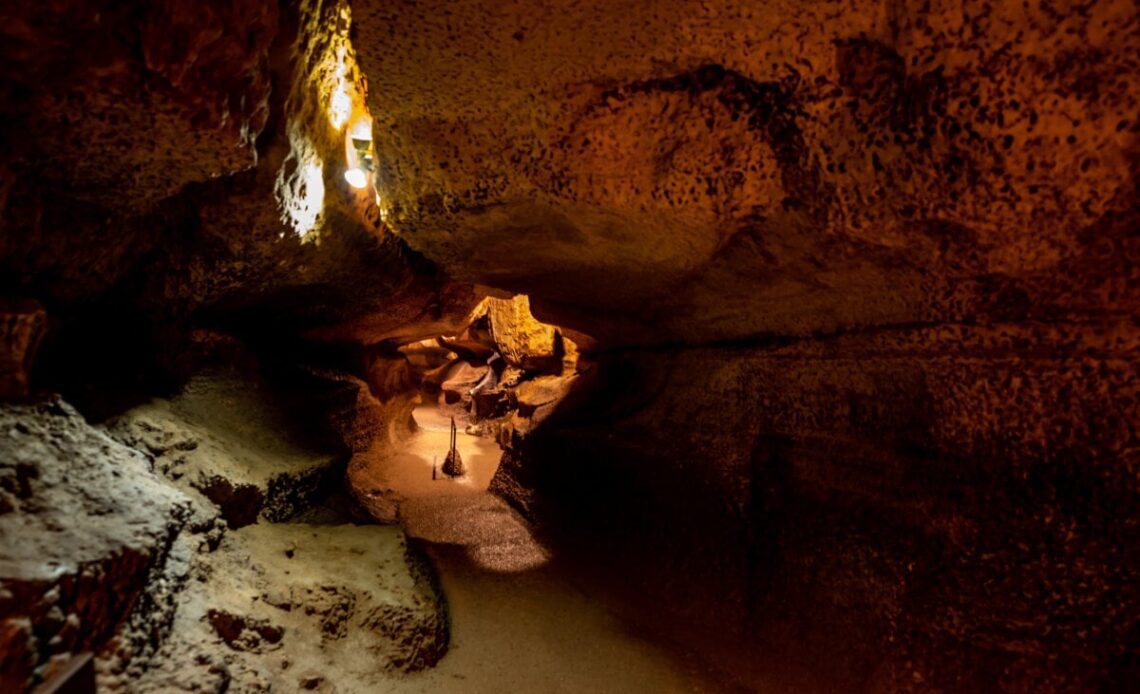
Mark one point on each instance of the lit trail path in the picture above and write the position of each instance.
(517, 623)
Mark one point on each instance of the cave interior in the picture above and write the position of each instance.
(500, 346)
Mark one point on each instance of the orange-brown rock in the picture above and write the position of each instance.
(711, 171)
(461, 378)
(125, 105)
(903, 236)
(524, 342)
(536, 396)
(493, 403)
(312, 252)
(856, 285)
(22, 325)
(426, 355)
(148, 183)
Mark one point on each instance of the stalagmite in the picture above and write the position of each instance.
(453, 463)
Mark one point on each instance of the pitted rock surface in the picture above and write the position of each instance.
(696, 171)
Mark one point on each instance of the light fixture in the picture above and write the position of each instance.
(356, 177)
(358, 151)
(362, 130)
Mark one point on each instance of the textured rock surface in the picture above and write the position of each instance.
(862, 277)
(538, 396)
(147, 183)
(226, 438)
(523, 341)
(277, 604)
(946, 509)
(313, 253)
(652, 171)
(109, 109)
(903, 235)
(357, 415)
(103, 551)
(461, 378)
(87, 528)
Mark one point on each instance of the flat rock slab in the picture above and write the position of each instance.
(292, 606)
(228, 437)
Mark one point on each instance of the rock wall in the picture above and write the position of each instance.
(21, 329)
(99, 104)
(945, 509)
(862, 279)
(148, 186)
(696, 171)
(225, 438)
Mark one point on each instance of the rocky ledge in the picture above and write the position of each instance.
(152, 544)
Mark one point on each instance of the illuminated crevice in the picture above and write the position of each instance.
(329, 129)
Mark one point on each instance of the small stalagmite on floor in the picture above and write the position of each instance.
(453, 463)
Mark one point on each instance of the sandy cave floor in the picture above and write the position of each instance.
(518, 624)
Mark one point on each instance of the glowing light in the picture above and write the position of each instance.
(340, 104)
(356, 177)
(358, 152)
(312, 198)
(301, 196)
(340, 107)
(362, 130)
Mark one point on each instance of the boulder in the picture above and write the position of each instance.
(541, 392)
(278, 599)
(460, 381)
(88, 529)
(522, 340)
(494, 403)
(427, 355)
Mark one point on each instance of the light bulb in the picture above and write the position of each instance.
(356, 177)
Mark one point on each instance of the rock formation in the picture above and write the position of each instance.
(88, 528)
(863, 280)
(128, 548)
(717, 171)
(832, 358)
(453, 462)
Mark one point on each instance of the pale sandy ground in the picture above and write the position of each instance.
(517, 622)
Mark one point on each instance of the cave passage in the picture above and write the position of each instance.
(509, 600)
(570, 346)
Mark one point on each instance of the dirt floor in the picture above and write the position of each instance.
(518, 623)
